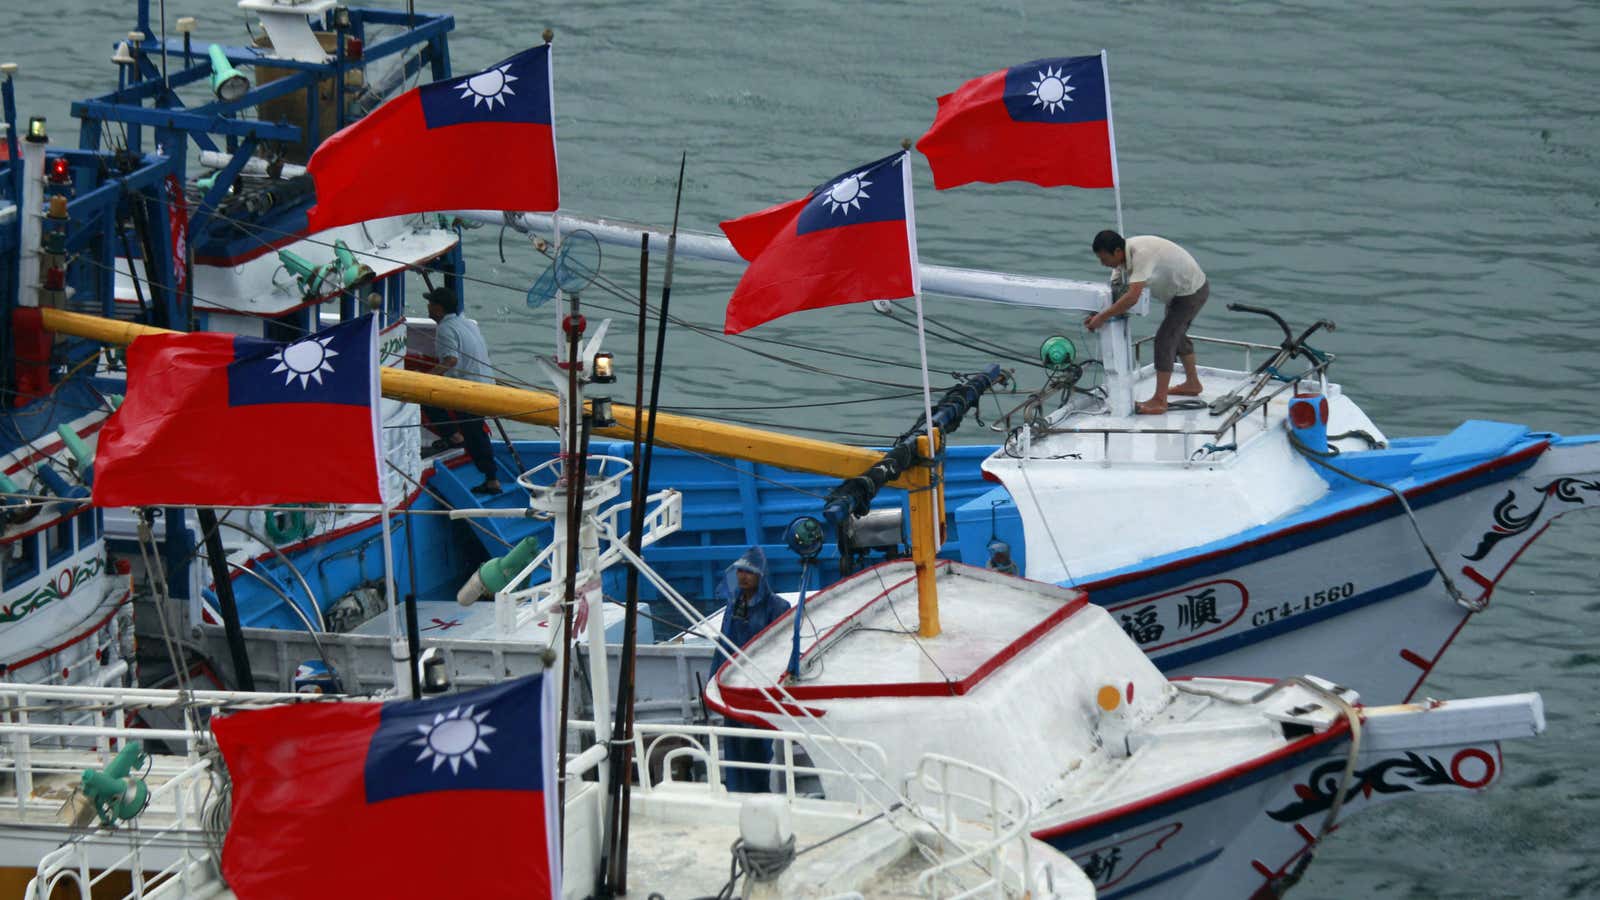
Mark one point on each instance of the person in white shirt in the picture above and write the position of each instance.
(1173, 277)
(462, 353)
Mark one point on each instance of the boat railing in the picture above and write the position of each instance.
(49, 734)
(959, 795)
(177, 856)
(665, 754)
(1225, 434)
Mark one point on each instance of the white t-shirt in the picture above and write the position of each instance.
(1166, 269)
(459, 337)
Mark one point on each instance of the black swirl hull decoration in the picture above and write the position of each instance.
(1507, 523)
(1390, 776)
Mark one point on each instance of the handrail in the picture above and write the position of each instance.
(1006, 812)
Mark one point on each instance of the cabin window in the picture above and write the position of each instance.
(21, 560)
(59, 540)
(88, 528)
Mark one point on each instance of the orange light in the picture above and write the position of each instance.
(1109, 697)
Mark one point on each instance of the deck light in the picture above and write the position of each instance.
(36, 132)
(604, 368)
(1057, 352)
(228, 83)
(309, 276)
(354, 272)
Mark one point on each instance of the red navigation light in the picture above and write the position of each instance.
(59, 170)
(55, 279)
(352, 49)
(1302, 413)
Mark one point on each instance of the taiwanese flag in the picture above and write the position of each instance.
(450, 796)
(1047, 122)
(225, 420)
(482, 141)
(852, 239)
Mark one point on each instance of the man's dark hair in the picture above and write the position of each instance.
(1108, 241)
(445, 297)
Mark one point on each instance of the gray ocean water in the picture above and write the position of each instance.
(1424, 174)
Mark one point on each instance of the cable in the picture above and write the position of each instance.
(1321, 459)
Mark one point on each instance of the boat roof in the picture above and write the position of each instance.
(858, 636)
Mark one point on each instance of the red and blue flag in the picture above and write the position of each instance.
(450, 796)
(480, 141)
(852, 239)
(227, 420)
(1047, 122)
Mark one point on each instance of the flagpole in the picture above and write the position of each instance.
(1111, 132)
(916, 288)
(399, 647)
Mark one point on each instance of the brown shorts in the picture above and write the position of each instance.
(1172, 338)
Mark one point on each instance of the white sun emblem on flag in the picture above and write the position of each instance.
(489, 87)
(454, 737)
(1051, 91)
(847, 194)
(306, 359)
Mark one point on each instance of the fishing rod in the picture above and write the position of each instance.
(622, 730)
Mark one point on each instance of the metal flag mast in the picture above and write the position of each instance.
(926, 495)
(1116, 347)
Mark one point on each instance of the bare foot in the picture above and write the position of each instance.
(1187, 389)
(1150, 407)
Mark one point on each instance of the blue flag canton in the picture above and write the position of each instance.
(332, 366)
(514, 90)
(872, 193)
(490, 739)
(1068, 89)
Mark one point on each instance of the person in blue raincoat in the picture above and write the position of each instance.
(749, 606)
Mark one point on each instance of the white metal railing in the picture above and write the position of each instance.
(184, 837)
(49, 734)
(667, 745)
(523, 602)
(1004, 812)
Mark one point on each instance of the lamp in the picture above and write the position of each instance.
(309, 276)
(116, 793)
(600, 412)
(1057, 352)
(228, 83)
(36, 131)
(354, 272)
(605, 371)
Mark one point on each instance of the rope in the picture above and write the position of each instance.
(753, 864)
(1281, 885)
(1321, 459)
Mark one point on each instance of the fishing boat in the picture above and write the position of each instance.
(1220, 533)
(1156, 787)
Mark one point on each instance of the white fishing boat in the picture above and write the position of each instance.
(1157, 787)
(1222, 534)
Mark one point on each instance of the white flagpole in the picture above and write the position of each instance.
(1111, 131)
(399, 649)
(916, 291)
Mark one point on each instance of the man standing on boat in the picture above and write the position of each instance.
(1174, 278)
(749, 606)
(459, 347)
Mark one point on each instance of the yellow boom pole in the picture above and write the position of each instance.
(540, 408)
(925, 538)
